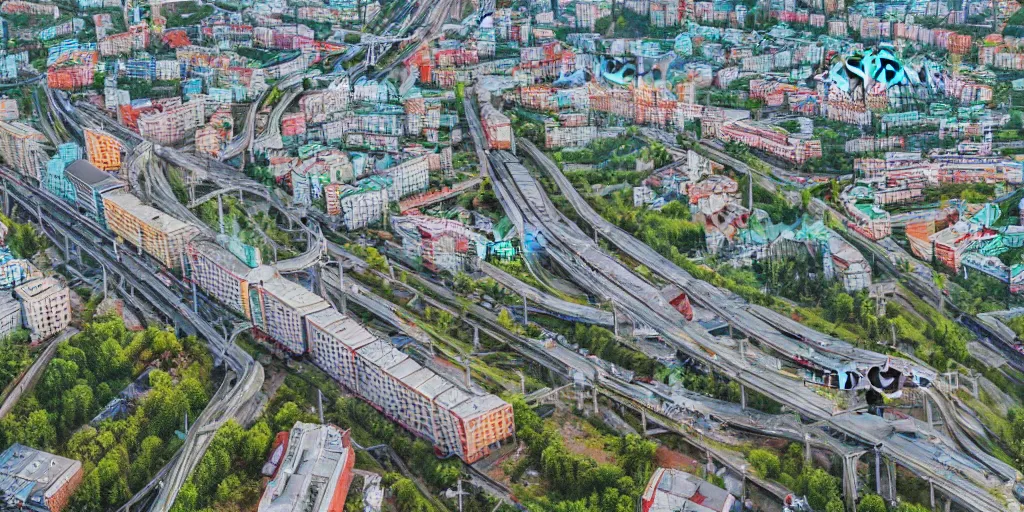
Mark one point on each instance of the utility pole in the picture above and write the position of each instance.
(341, 284)
(526, 318)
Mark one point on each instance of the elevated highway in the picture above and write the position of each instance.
(530, 209)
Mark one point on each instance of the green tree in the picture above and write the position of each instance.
(872, 503)
(39, 431)
(59, 377)
(765, 462)
(841, 307)
(822, 488)
(287, 416)
(836, 505)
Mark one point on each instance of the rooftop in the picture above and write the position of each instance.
(145, 213)
(31, 476)
(311, 470)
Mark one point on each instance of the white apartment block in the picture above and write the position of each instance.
(46, 306)
(279, 308)
(223, 276)
(408, 177)
(359, 208)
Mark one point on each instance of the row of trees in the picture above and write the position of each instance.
(577, 483)
(228, 476)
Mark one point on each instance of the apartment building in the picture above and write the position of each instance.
(21, 148)
(316, 471)
(408, 177)
(456, 422)
(318, 106)
(497, 127)
(22, 7)
(45, 306)
(73, 70)
(223, 276)
(363, 203)
(208, 141)
(90, 184)
(172, 124)
(439, 244)
(10, 314)
(279, 308)
(765, 138)
(150, 230)
(560, 136)
(34, 480)
(588, 12)
(103, 150)
(135, 38)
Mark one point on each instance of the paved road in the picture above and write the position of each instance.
(29, 378)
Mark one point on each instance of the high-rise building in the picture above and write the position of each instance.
(104, 151)
(46, 306)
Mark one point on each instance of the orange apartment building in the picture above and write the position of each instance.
(104, 151)
(73, 70)
(150, 230)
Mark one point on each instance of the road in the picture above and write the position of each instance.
(528, 206)
(563, 308)
(29, 378)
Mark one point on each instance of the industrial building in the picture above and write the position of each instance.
(316, 471)
(46, 306)
(161, 236)
(34, 480)
(455, 421)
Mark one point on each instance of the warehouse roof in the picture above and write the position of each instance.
(311, 470)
